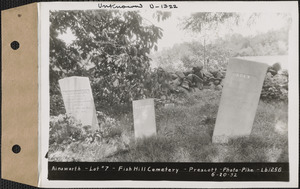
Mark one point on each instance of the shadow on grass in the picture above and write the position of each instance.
(184, 134)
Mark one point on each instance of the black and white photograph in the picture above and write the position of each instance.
(146, 87)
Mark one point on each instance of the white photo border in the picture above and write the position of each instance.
(293, 120)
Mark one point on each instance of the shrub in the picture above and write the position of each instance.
(68, 137)
(275, 88)
(56, 105)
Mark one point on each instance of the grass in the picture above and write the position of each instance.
(184, 134)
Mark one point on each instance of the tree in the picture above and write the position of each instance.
(274, 42)
(110, 47)
(202, 22)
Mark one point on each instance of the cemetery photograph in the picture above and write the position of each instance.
(158, 86)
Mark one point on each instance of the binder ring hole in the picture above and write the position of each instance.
(15, 45)
(16, 149)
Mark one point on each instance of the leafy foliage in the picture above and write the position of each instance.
(182, 57)
(275, 88)
(65, 129)
(67, 136)
(111, 48)
(57, 104)
(161, 15)
(270, 43)
(208, 22)
(200, 20)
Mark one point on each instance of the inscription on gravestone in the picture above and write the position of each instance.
(239, 100)
(78, 100)
(144, 118)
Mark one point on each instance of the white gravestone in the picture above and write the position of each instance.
(144, 118)
(240, 96)
(78, 100)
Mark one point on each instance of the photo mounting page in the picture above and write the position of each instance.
(136, 93)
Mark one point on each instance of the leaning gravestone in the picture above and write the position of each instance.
(78, 100)
(144, 118)
(240, 96)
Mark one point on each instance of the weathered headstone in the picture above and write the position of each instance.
(78, 100)
(240, 96)
(144, 118)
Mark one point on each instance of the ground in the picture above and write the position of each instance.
(184, 134)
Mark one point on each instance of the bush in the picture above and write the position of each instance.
(69, 140)
(56, 105)
(275, 87)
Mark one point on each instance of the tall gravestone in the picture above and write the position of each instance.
(240, 96)
(144, 118)
(78, 100)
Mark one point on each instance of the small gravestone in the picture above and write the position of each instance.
(78, 100)
(240, 96)
(144, 118)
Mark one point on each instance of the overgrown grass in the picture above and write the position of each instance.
(184, 134)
